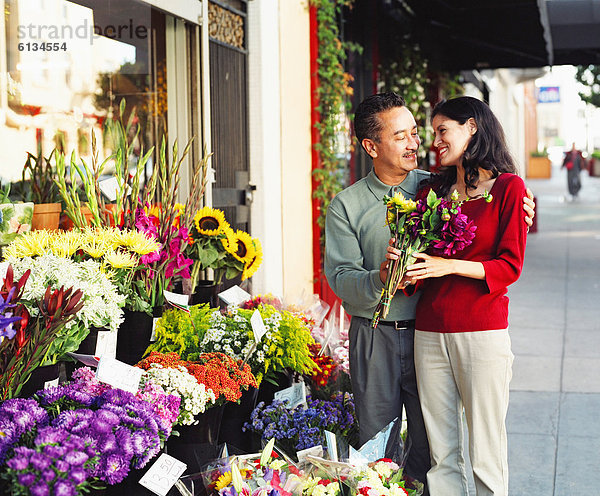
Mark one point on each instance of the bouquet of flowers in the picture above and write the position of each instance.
(416, 226)
(382, 477)
(301, 428)
(215, 245)
(102, 302)
(265, 474)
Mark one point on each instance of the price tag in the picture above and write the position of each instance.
(331, 442)
(295, 395)
(176, 298)
(234, 296)
(163, 474)
(52, 383)
(314, 451)
(258, 326)
(119, 374)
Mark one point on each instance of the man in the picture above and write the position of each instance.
(356, 238)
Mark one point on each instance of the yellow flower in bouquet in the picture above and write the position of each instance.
(95, 249)
(210, 222)
(243, 249)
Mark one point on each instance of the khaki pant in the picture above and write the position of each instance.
(469, 370)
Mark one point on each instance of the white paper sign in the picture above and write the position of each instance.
(314, 451)
(163, 474)
(176, 298)
(331, 442)
(109, 187)
(119, 374)
(52, 383)
(295, 395)
(258, 326)
(234, 296)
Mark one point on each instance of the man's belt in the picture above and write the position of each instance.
(399, 324)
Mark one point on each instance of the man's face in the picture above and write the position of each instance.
(396, 150)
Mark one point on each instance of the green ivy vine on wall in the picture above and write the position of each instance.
(334, 92)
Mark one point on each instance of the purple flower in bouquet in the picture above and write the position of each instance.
(456, 234)
(6, 316)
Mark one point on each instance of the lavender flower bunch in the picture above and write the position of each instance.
(19, 419)
(298, 428)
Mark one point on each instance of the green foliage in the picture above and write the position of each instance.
(333, 93)
(589, 76)
(38, 179)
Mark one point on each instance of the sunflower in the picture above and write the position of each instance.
(229, 242)
(245, 250)
(252, 266)
(121, 260)
(210, 221)
(31, 244)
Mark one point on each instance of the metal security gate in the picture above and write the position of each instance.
(229, 110)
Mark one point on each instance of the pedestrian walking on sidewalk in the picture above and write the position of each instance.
(573, 162)
(463, 355)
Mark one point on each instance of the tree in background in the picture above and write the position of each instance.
(589, 76)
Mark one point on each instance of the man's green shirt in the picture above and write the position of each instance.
(356, 240)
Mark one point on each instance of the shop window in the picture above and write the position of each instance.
(66, 65)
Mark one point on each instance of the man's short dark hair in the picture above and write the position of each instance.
(366, 122)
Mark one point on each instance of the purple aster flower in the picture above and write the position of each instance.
(114, 469)
(54, 451)
(108, 417)
(76, 458)
(78, 475)
(39, 461)
(139, 442)
(50, 435)
(108, 444)
(26, 479)
(61, 466)
(19, 461)
(40, 488)
(48, 475)
(64, 488)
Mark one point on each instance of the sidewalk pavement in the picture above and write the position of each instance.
(553, 419)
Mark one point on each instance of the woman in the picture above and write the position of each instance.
(462, 347)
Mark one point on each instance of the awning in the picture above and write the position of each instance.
(478, 34)
(575, 30)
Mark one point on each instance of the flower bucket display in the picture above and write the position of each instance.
(235, 415)
(134, 335)
(40, 378)
(46, 216)
(206, 292)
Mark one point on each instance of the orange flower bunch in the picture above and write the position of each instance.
(326, 366)
(226, 377)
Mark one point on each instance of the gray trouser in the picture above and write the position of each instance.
(383, 377)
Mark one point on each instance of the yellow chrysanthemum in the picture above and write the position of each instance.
(210, 221)
(245, 250)
(251, 267)
(30, 244)
(404, 205)
(121, 260)
(66, 244)
(95, 249)
(138, 242)
(107, 236)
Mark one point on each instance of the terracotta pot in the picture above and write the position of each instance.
(46, 216)
(66, 224)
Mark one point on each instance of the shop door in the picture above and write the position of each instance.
(229, 111)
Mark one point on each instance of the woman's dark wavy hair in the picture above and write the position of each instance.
(486, 149)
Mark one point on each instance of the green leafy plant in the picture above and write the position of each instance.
(333, 94)
(539, 153)
(38, 179)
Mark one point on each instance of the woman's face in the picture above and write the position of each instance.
(452, 138)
